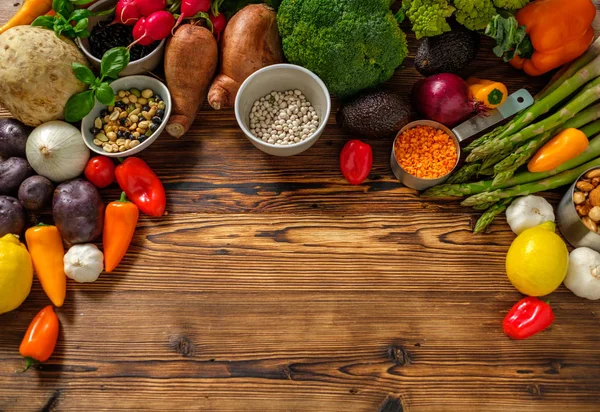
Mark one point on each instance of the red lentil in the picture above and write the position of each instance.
(425, 152)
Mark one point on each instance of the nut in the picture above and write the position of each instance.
(595, 197)
(579, 197)
(593, 173)
(584, 186)
(134, 143)
(98, 123)
(102, 137)
(143, 124)
(133, 98)
(134, 118)
(589, 223)
(115, 115)
(583, 209)
(147, 93)
(97, 142)
(595, 214)
(141, 101)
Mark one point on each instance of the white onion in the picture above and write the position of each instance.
(56, 150)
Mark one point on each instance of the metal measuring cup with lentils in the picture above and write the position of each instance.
(134, 117)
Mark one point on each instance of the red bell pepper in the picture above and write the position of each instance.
(142, 186)
(527, 317)
(356, 160)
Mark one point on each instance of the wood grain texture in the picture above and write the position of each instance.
(273, 285)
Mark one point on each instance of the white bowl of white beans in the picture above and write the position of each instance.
(283, 109)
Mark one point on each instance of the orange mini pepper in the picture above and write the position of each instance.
(560, 31)
(29, 11)
(41, 336)
(564, 146)
(47, 253)
(492, 94)
(120, 220)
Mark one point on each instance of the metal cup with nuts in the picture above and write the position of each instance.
(135, 116)
(579, 211)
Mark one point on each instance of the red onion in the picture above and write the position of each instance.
(445, 98)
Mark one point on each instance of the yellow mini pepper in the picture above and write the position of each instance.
(47, 253)
(560, 31)
(491, 94)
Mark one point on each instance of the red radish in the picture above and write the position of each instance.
(219, 22)
(148, 7)
(190, 8)
(445, 98)
(155, 27)
(126, 13)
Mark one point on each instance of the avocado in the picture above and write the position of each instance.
(374, 113)
(447, 53)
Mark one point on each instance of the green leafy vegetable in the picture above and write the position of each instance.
(80, 104)
(65, 15)
(510, 38)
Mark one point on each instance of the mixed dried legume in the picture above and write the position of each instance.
(135, 116)
(283, 118)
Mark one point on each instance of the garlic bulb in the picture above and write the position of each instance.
(527, 212)
(56, 150)
(583, 274)
(84, 263)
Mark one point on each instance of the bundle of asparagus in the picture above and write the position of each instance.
(501, 152)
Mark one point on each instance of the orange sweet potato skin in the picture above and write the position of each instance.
(250, 42)
(191, 58)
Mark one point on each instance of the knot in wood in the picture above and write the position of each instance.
(184, 346)
(398, 355)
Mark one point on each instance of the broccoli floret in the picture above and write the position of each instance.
(428, 17)
(510, 4)
(474, 14)
(351, 44)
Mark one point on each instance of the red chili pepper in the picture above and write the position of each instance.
(356, 161)
(528, 317)
(142, 186)
(41, 336)
(100, 170)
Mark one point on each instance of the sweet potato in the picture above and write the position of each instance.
(250, 42)
(190, 64)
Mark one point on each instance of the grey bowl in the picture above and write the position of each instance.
(141, 66)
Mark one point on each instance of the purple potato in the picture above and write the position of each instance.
(35, 193)
(13, 171)
(78, 211)
(13, 138)
(12, 216)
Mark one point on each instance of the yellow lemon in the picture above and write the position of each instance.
(16, 273)
(537, 261)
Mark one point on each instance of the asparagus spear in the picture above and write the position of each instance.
(505, 169)
(553, 182)
(466, 189)
(580, 102)
(565, 73)
(464, 174)
(488, 216)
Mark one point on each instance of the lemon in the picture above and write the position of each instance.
(16, 273)
(537, 261)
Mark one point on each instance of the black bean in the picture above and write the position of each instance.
(145, 108)
(122, 121)
(120, 105)
(128, 135)
(156, 120)
(120, 133)
(104, 37)
(104, 112)
(142, 138)
(160, 113)
(153, 127)
(157, 98)
(93, 130)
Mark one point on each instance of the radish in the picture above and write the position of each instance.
(190, 8)
(126, 13)
(445, 98)
(155, 27)
(218, 22)
(148, 7)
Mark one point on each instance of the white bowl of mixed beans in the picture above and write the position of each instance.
(138, 117)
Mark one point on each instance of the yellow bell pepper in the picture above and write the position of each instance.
(564, 146)
(491, 94)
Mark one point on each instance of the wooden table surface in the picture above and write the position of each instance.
(273, 285)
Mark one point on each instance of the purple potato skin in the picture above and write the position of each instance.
(13, 171)
(78, 211)
(35, 193)
(13, 137)
(12, 216)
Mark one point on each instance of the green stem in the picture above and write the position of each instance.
(490, 214)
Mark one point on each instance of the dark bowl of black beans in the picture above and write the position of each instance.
(105, 36)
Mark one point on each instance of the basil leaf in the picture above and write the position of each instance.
(106, 12)
(105, 94)
(79, 2)
(83, 34)
(62, 7)
(114, 61)
(81, 25)
(83, 73)
(78, 106)
(44, 21)
(80, 14)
